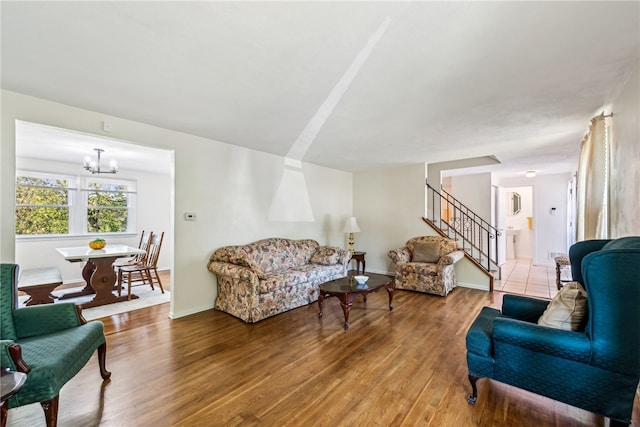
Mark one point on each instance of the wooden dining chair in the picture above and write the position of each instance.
(145, 239)
(145, 271)
(140, 259)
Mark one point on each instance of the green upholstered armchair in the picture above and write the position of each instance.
(49, 342)
(597, 368)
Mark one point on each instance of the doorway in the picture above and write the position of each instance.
(518, 222)
(55, 152)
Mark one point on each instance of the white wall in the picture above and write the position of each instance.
(228, 187)
(474, 191)
(389, 205)
(154, 201)
(625, 160)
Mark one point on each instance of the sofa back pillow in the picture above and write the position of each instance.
(326, 255)
(426, 252)
(568, 310)
(272, 255)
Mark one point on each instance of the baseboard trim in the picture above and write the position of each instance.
(176, 315)
(473, 286)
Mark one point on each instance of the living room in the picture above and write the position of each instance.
(231, 188)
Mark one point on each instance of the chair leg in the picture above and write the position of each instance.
(102, 361)
(614, 423)
(119, 282)
(147, 272)
(51, 411)
(471, 399)
(155, 270)
(129, 286)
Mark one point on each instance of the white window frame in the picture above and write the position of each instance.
(131, 201)
(78, 188)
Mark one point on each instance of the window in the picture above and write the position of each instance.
(107, 207)
(42, 205)
(48, 204)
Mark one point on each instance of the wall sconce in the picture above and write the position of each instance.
(351, 226)
(94, 166)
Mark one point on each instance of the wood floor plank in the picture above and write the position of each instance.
(405, 367)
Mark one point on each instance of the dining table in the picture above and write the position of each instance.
(98, 272)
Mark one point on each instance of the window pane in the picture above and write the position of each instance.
(107, 199)
(40, 196)
(42, 182)
(41, 206)
(106, 220)
(42, 220)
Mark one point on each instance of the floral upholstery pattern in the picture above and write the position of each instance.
(270, 276)
(433, 278)
(326, 255)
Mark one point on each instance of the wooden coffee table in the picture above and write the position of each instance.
(347, 289)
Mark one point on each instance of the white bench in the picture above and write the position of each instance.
(38, 283)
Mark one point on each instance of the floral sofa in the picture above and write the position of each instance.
(426, 264)
(270, 276)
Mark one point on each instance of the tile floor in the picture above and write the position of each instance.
(520, 276)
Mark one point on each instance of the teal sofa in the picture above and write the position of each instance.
(596, 368)
(50, 343)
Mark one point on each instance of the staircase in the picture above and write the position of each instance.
(452, 219)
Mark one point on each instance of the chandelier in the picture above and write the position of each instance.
(93, 166)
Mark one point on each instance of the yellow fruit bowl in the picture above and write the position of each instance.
(97, 245)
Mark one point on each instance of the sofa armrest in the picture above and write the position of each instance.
(523, 308)
(400, 255)
(234, 271)
(6, 360)
(344, 257)
(541, 339)
(45, 319)
(450, 258)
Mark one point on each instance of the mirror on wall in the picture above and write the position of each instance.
(516, 204)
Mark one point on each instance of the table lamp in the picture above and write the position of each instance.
(351, 226)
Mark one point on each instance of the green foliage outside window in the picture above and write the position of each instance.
(42, 206)
(107, 210)
(46, 206)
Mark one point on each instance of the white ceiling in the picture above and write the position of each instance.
(445, 80)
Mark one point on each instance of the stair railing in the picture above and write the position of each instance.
(458, 222)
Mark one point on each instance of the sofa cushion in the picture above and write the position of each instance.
(283, 279)
(426, 252)
(567, 310)
(326, 255)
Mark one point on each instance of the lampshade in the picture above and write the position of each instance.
(351, 225)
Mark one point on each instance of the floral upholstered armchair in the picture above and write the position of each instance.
(426, 264)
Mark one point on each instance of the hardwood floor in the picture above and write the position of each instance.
(400, 368)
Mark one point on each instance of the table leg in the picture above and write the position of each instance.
(102, 281)
(390, 292)
(40, 294)
(3, 414)
(320, 303)
(346, 302)
(87, 271)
